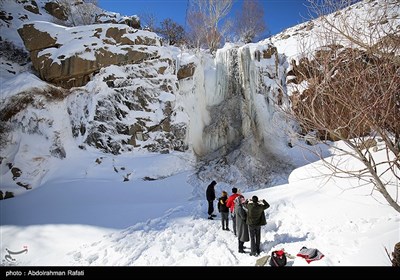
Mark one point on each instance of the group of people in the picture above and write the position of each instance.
(247, 216)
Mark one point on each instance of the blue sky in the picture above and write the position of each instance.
(279, 14)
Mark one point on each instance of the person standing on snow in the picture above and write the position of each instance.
(256, 219)
(231, 204)
(210, 195)
(242, 228)
(224, 210)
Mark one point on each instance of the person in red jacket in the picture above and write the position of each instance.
(230, 202)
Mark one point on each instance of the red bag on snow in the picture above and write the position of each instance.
(310, 255)
(278, 258)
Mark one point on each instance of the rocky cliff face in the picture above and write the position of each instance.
(104, 86)
(116, 89)
(68, 57)
(130, 107)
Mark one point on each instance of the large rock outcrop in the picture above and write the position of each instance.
(68, 57)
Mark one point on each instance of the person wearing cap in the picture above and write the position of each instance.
(231, 204)
(210, 196)
(255, 219)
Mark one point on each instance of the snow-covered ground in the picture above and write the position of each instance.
(88, 214)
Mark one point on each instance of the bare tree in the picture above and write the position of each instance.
(196, 33)
(204, 19)
(171, 31)
(353, 90)
(250, 21)
(148, 21)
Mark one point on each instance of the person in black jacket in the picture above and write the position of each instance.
(210, 195)
(224, 210)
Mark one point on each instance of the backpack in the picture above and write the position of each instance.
(278, 258)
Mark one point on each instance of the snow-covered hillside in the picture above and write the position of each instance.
(228, 106)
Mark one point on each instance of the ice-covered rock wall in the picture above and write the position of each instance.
(225, 101)
(235, 121)
(235, 98)
(264, 90)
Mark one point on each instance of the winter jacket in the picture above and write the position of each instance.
(222, 204)
(231, 202)
(255, 213)
(242, 229)
(210, 192)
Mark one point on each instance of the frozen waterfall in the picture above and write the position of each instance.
(233, 103)
(236, 96)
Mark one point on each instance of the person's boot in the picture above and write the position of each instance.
(210, 218)
(227, 226)
(241, 247)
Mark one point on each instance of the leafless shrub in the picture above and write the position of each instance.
(353, 89)
(13, 53)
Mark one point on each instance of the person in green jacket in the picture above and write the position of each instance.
(255, 219)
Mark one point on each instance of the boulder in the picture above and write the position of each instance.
(186, 71)
(56, 10)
